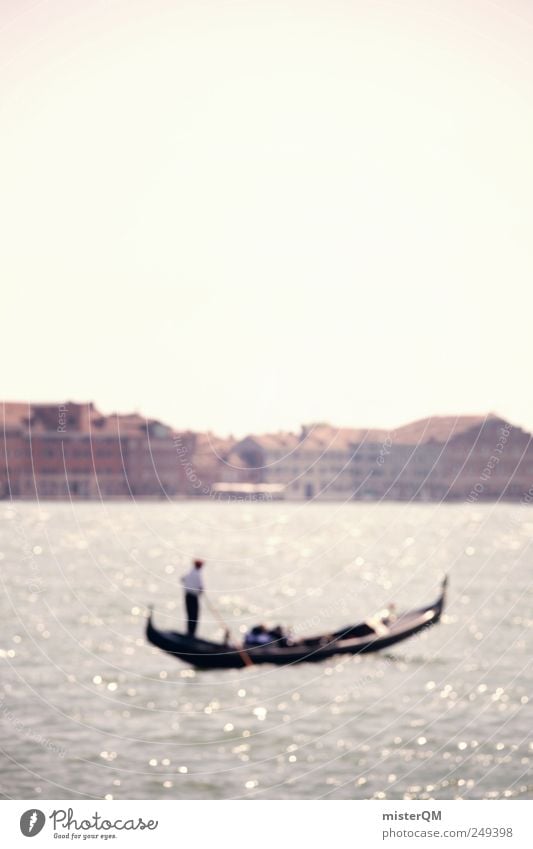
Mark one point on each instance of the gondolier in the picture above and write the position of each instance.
(194, 587)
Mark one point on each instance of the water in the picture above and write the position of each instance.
(89, 710)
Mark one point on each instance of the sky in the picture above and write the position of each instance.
(241, 216)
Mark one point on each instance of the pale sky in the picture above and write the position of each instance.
(241, 216)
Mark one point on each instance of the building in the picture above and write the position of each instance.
(321, 462)
(441, 458)
(71, 450)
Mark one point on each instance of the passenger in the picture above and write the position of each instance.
(257, 636)
(382, 620)
(390, 614)
(278, 636)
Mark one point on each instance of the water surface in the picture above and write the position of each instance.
(89, 709)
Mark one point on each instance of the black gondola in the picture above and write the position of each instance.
(354, 639)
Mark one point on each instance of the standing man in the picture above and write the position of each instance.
(193, 586)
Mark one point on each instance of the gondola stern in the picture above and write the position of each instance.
(149, 629)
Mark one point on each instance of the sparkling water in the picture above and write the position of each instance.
(88, 709)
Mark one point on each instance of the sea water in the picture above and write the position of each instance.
(88, 709)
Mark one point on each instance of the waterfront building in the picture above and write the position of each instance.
(445, 458)
(73, 451)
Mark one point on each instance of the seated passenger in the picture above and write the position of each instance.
(382, 620)
(278, 636)
(257, 636)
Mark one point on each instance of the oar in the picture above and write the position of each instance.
(245, 657)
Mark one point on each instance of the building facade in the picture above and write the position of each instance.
(470, 458)
(71, 451)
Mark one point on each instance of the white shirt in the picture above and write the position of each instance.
(192, 582)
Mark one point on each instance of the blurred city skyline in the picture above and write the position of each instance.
(242, 217)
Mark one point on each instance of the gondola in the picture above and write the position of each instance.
(354, 639)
